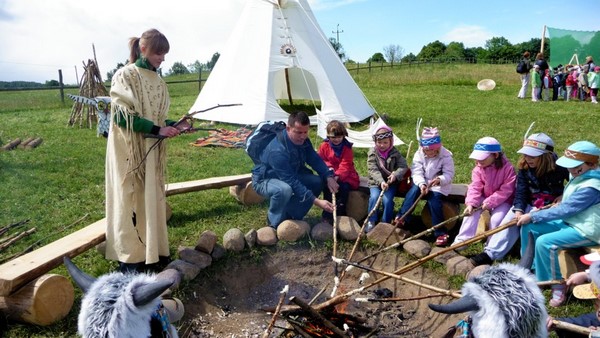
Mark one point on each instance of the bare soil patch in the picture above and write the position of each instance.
(229, 300)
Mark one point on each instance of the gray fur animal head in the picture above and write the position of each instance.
(503, 302)
(117, 304)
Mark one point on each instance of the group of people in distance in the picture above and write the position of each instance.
(566, 82)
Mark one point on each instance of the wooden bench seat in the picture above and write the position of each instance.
(569, 262)
(22, 270)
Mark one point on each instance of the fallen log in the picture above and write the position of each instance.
(42, 301)
(24, 143)
(11, 145)
(34, 144)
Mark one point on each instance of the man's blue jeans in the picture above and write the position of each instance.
(283, 203)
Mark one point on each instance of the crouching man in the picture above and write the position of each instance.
(283, 177)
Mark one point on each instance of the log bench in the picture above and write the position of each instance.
(359, 199)
(27, 294)
(569, 262)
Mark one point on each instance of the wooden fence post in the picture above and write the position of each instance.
(200, 79)
(61, 86)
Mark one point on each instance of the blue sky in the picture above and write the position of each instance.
(38, 37)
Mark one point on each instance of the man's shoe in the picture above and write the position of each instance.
(481, 259)
(369, 227)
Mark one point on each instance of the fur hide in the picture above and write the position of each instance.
(108, 310)
(510, 303)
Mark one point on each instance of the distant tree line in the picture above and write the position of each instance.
(178, 67)
(27, 84)
(494, 49)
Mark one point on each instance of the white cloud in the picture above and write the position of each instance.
(469, 35)
(39, 36)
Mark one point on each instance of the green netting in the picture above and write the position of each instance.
(564, 44)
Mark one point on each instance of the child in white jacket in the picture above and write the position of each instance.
(432, 174)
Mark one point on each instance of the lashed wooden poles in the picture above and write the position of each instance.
(419, 235)
(341, 298)
(276, 313)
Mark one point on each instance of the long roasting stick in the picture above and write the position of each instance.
(362, 229)
(571, 327)
(341, 298)
(419, 235)
(335, 225)
(410, 210)
(276, 313)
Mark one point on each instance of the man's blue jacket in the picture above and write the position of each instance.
(285, 161)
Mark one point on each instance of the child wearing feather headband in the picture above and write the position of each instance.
(432, 173)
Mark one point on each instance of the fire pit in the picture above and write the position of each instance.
(238, 299)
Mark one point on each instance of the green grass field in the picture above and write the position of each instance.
(63, 179)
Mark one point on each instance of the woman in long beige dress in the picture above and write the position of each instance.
(136, 232)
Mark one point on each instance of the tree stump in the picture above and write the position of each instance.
(245, 194)
(358, 203)
(42, 301)
(450, 210)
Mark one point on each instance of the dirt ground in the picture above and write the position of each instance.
(230, 300)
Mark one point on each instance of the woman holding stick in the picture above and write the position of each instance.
(136, 232)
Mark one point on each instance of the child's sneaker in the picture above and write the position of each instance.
(369, 227)
(398, 222)
(559, 295)
(442, 240)
(481, 259)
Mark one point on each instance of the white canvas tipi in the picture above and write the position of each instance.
(277, 51)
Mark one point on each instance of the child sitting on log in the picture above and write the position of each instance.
(432, 173)
(336, 152)
(386, 168)
(539, 183)
(571, 224)
(492, 187)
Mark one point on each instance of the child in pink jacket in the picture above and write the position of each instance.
(492, 187)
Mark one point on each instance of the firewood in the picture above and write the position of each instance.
(34, 144)
(43, 301)
(276, 313)
(5, 229)
(12, 144)
(317, 316)
(16, 238)
(24, 143)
